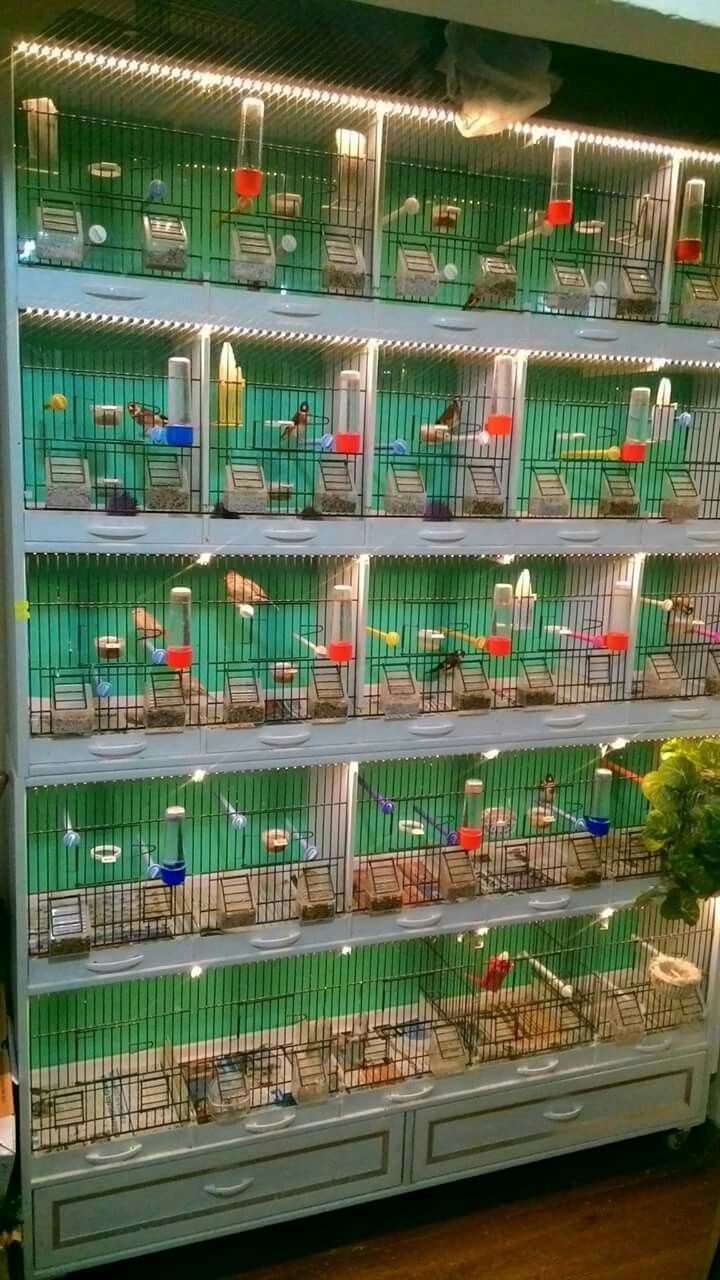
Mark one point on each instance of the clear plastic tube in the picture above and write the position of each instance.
(178, 430)
(470, 829)
(172, 846)
(350, 170)
(348, 435)
(636, 427)
(500, 642)
(597, 821)
(689, 243)
(42, 132)
(178, 632)
(523, 603)
(560, 204)
(340, 646)
(617, 635)
(249, 171)
(500, 419)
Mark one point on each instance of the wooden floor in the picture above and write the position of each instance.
(628, 1212)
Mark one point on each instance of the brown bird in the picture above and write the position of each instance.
(146, 418)
(243, 590)
(450, 416)
(147, 627)
(298, 422)
(683, 604)
(547, 789)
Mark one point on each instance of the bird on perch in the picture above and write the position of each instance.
(451, 662)
(450, 416)
(547, 789)
(146, 418)
(298, 422)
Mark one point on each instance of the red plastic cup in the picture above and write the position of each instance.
(248, 183)
(632, 451)
(179, 657)
(470, 838)
(499, 424)
(616, 641)
(559, 212)
(340, 650)
(498, 646)
(688, 250)
(347, 441)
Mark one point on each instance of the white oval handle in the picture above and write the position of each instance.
(419, 921)
(653, 1046)
(597, 335)
(688, 713)
(113, 291)
(702, 535)
(282, 1122)
(113, 1157)
(549, 904)
(565, 722)
(579, 535)
(293, 738)
(540, 1069)
(114, 966)
(442, 535)
(713, 342)
(223, 1193)
(118, 532)
(289, 535)
(453, 323)
(440, 730)
(410, 1097)
(296, 309)
(275, 943)
(115, 750)
(564, 1115)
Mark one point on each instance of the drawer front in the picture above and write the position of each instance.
(129, 1210)
(474, 1134)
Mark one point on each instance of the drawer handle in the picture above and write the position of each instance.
(113, 1157)
(688, 713)
(118, 532)
(442, 535)
(653, 1046)
(114, 966)
(296, 309)
(289, 739)
(549, 904)
(432, 730)
(543, 1069)
(597, 335)
(565, 722)
(113, 291)
(564, 1115)
(115, 750)
(424, 1092)
(289, 535)
(454, 323)
(702, 535)
(420, 921)
(579, 535)
(282, 1122)
(277, 943)
(224, 1193)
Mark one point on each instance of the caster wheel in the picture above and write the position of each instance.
(677, 1139)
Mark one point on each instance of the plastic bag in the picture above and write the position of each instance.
(494, 79)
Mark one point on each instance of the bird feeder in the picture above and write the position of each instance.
(500, 419)
(179, 641)
(499, 643)
(637, 426)
(348, 435)
(340, 647)
(597, 821)
(172, 865)
(470, 829)
(560, 204)
(349, 170)
(689, 242)
(523, 603)
(179, 429)
(248, 177)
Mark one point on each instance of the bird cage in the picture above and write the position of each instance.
(110, 415)
(678, 627)
(695, 257)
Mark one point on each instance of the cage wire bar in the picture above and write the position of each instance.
(132, 1057)
(111, 416)
(287, 426)
(112, 863)
(270, 639)
(534, 825)
(468, 634)
(678, 653)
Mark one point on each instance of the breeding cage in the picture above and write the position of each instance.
(133, 1057)
(619, 440)
(140, 173)
(131, 642)
(678, 649)
(111, 863)
(696, 236)
(462, 634)
(443, 433)
(451, 828)
(287, 425)
(533, 218)
(110, 414)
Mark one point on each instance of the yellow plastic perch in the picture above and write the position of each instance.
(391, 638)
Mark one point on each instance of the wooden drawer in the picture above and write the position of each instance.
(129, 1210)
(473, 1134)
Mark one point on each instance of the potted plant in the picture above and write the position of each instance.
(683, 823)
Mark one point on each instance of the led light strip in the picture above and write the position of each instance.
(208, 80)
(652, 364)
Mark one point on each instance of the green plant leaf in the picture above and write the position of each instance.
(680, 905)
